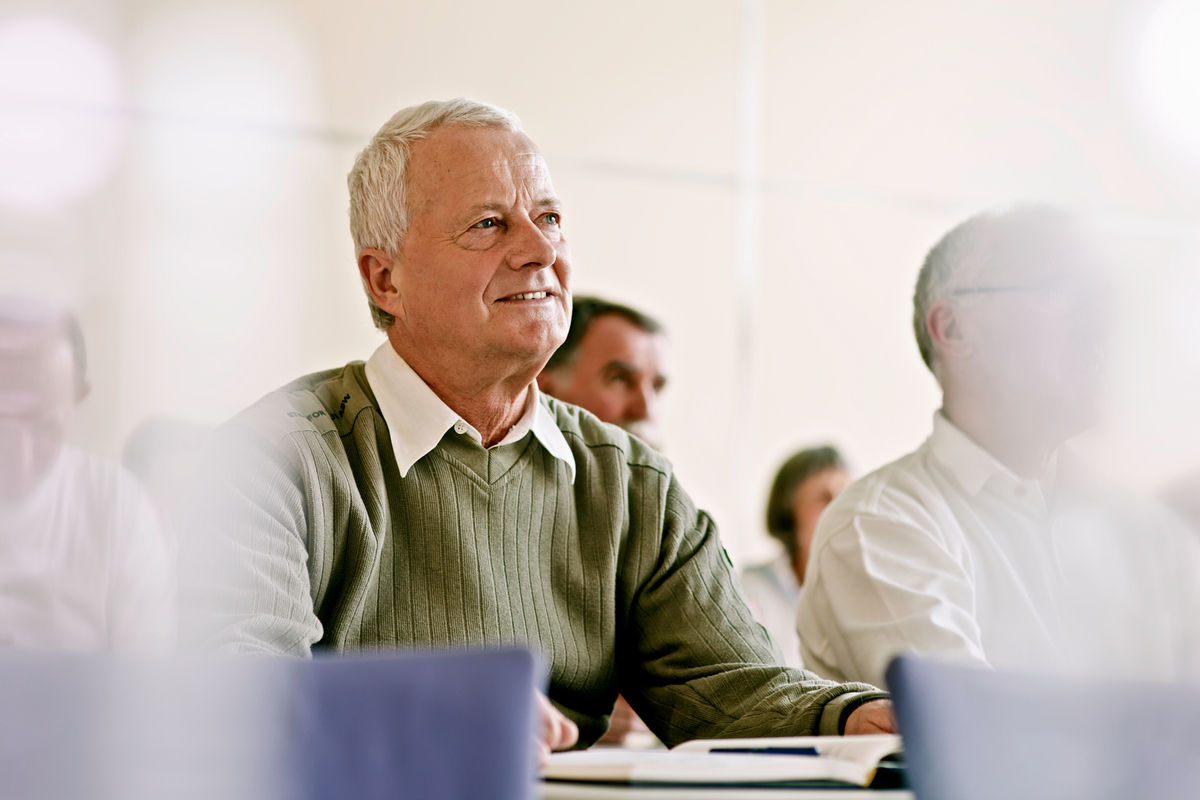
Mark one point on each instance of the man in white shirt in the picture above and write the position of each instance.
(83, 563)
(986, 545)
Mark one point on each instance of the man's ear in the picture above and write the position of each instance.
(946, 330)
(378, 273)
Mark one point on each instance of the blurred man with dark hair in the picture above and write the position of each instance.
(83, 563)
(612, 363)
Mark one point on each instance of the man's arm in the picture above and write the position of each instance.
(247, 562)
(877, 587)
(694, 663)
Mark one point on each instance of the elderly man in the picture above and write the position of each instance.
(433, 497)
(988, 544)
(613, 363)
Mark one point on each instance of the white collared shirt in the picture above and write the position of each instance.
(417, 418)
(84, 564)
(946, 552)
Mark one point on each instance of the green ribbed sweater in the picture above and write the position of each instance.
(617, 578)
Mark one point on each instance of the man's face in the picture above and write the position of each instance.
(618, 374)
(483, 271)
(1041, 340)
(37, 401)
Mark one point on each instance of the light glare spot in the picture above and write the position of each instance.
(1169, 67)
(61, 99)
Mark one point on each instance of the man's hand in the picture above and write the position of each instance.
(556, 732)
(623, 722)
(873, 717)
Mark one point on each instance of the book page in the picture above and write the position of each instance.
(674, 767)
(864, 750)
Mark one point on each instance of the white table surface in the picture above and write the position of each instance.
(563, 790)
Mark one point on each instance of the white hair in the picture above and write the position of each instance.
(980, 246)
(378, 181)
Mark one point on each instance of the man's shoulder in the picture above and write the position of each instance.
(320, 402)
(903, 490)
(589, 437)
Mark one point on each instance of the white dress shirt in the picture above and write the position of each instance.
(946, 552)
(84, 565)
(417, 418)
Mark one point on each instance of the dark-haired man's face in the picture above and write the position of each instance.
(619, 374)
(37, 400)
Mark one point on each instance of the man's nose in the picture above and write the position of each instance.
(643, 403)
(529, 246)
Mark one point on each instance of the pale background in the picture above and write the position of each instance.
(765, 176)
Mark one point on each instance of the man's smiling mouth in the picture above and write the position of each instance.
(525, 296)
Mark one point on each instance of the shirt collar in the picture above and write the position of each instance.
(417, 418)
(970, 464)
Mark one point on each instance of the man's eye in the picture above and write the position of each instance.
(490, 222)
(551, 218)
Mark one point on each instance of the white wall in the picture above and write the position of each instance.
(211, 261)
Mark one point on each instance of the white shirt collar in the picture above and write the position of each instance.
(970, 464)
(417, 419)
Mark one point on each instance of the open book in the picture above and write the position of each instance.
(780, 761)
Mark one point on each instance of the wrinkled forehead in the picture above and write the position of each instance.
(457, 159)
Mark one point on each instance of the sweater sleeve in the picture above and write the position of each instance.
(696, 664)
(250, 586)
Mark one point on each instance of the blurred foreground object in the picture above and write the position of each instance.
(976, 734)
(436, 726)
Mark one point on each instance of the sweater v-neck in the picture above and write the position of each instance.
(490, 465)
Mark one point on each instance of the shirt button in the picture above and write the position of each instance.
(460, 427)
